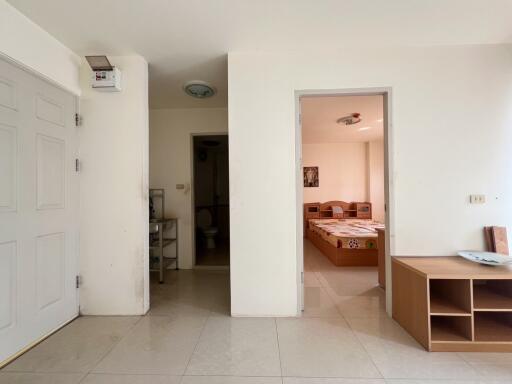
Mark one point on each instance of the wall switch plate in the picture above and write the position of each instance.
(476, 199)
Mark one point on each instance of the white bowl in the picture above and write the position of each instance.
(487, 258)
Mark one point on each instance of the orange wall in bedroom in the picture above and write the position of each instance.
(342, 169)
(348, 172)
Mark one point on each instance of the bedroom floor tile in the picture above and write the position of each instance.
(361, 306)
(317, 303)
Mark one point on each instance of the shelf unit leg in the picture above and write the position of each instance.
(176, 242)
(161, 246)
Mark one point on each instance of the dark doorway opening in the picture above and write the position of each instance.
(211, 200)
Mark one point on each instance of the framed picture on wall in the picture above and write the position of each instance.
(311, 177)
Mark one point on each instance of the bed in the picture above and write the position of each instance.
(345, 241)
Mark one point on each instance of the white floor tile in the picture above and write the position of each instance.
(95, 378)
(398, 355)
(494, 371)
(311, 279)
(431, 381)
(322, 347)
(317, 303)
(78, 347)
(238, 347)
(486, 357)
(361, 306)
(157, 345)
(302, 380)
(40, 378)
(230, 380)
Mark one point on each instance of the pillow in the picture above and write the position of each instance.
(337, 212)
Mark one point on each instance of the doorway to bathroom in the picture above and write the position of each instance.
(210, 174)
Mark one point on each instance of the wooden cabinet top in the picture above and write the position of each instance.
(453, 267)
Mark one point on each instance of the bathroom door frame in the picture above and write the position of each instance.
(193, 202)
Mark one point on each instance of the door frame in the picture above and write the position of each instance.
(193, 203)
(389, 192)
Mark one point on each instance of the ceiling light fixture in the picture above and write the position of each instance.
(364, 128)
(199, 89)
(351, 119)
(380, 120)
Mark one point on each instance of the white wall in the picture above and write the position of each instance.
(451, 120)
(170, 162)
(376, 179)
(28, 44)
(113, 197)
(342, 171)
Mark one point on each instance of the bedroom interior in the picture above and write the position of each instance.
(343, 210)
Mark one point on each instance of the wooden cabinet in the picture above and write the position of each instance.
(363, 210)
(311, 211)
(451, 304)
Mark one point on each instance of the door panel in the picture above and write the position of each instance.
(7, 284)
(49, 110)
(8, 160)
(51, 154)
(38, 209)
(7, 93)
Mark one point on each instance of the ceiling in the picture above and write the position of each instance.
(188, 39)
(320, 113)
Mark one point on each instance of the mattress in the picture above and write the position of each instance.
(347, 233)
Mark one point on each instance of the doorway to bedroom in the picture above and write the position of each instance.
(343, 196)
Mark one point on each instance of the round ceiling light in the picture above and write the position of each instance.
(199, 89)
(351, 119)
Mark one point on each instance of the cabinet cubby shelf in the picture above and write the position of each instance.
(450, 304)
(491, 298)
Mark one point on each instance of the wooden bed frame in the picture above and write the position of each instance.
(339, 256)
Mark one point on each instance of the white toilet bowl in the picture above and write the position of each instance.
(210, 234)
(204, 222)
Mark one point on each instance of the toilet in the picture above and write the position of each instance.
(204, 222)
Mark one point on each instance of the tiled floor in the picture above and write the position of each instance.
(219, 256)
(188, 337)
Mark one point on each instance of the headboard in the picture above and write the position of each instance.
(335, 203)
(353, 210)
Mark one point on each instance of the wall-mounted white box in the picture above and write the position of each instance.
(476, 199)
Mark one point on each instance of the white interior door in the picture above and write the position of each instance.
(38, 209)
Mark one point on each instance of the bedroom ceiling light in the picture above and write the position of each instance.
(199, 89)
(351, 119)
(364, 128)
(379, 120)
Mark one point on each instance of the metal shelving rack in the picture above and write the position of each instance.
(158, 225)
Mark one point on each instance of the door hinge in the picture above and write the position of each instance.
(77, 165)
(78, 120)
(302, 277)
(78, 281)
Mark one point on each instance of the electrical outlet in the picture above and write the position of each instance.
(476, 199)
